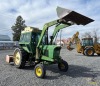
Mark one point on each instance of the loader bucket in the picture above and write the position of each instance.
(73, 16)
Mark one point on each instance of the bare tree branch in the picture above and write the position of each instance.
(86, 35)
(93, 34)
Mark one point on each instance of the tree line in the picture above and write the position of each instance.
(17, 28)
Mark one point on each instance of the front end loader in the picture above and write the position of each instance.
(35, 47)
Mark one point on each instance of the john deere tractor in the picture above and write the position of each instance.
(35, 47)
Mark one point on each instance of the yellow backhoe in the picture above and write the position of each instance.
(86, 46)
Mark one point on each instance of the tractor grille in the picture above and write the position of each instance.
(57, 52)
(46, 53)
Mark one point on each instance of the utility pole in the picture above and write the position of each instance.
(60, 36)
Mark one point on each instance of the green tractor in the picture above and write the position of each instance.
(37, 49)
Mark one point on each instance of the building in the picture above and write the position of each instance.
(59, 43)
(66, 41)
(4, 38)
(6, 43)
(63, 42)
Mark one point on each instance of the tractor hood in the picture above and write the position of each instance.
(51, 47)
(51, 51)
(69, 15)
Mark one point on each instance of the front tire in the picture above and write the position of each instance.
(40, 71)
(89, 52)
(63, 66)
(19, 58)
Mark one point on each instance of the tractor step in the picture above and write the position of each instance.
(9, 58)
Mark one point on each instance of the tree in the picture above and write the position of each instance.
(93, 34)
(87, 35)
(17, 28)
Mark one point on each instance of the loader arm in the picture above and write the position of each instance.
(58, 28)
(60, 24)
(75, 39)
(46, 26)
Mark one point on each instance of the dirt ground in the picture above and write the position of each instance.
(83, 71)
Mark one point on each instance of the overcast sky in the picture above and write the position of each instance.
(37, 12)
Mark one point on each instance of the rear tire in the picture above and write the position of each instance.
(89, 51)
(19, 58)
(84, 52)
(63, 66)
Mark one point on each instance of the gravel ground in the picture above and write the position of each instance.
(83, 71)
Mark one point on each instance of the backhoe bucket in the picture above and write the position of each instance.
(72, 16)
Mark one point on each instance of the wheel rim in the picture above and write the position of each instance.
(17, 58)
(38, 71)
(68, 47)
(62, 66)
(90, 52)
